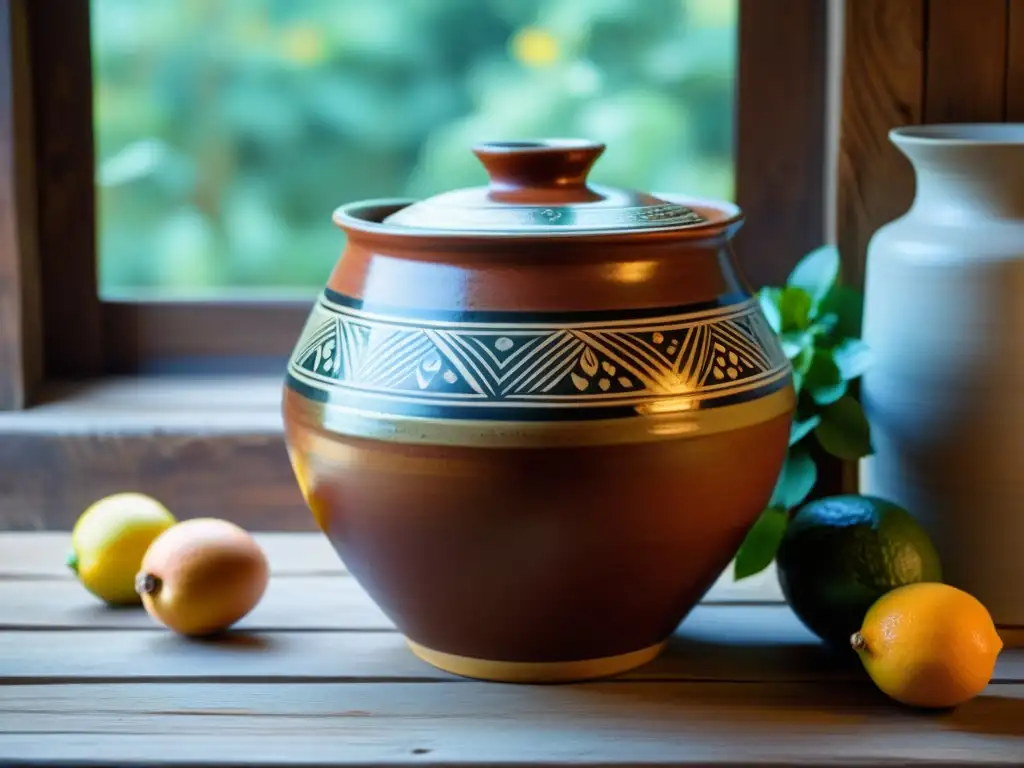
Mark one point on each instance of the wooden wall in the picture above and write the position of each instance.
(907, 62)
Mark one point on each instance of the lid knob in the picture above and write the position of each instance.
(550, 171)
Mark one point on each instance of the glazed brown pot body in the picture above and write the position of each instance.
(537, 452)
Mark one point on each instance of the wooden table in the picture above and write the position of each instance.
(318, 676)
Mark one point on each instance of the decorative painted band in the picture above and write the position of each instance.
(529, 367)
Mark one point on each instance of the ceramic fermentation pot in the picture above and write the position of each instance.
(944, 313)
(536, 419)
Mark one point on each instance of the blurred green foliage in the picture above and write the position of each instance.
(228, 130)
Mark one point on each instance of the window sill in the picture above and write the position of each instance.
(202, 445)
(139, 405)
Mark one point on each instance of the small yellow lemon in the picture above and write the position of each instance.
(109, 541)
(928, 645)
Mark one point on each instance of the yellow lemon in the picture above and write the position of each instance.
(928, 645)
(109, 541)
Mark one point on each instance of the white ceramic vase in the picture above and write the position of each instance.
(944, 316)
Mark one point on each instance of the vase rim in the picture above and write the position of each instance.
(959, 134)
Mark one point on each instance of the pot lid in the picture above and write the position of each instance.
(541, 187)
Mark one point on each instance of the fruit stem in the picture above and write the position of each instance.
(857, 642)
(71, 561)
(147, 583)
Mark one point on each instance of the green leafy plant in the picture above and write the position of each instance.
(818, 321)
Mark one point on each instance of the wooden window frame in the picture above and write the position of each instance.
(55, 328)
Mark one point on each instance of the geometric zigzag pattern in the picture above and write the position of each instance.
(714, 353)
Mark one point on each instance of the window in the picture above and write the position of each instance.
(168, 171)
(225, 132)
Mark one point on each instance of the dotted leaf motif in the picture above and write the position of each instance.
(673, 343)
(427, 369)
(592, 368)
(464, 365)
(727, 364)
(326, 360)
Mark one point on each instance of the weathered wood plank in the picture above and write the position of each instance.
(301, 603)
(780, 134)
(145, 336)
(882, 87)
(98, 656)
(713, 643)
(966, 61)
(203, 445)
(30, 555)
(292, 602)
(1015, 62)
(49, 480)
(480, 724)
(21, 334)
(41, 556)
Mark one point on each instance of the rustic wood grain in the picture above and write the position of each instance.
(302, 603)
(966, 61)
(49, 480)
(40, 555)
(738, 685)
(780, 134)
(716, 642)
(1015, 62)
(139, 405)
(210, 446)
(190, 335)
(65, 173)
(204, 446)
(882, 88)
(292, 602)
(478, 724)
(20, 320)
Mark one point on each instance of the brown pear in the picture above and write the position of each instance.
(201, 576)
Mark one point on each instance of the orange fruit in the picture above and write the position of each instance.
(201, 576)
(928, 645)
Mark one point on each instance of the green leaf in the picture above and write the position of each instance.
(795, 342)
(823, 379)
(844, 430)
(853, 358)
(802, 428)
(770, 299)
(801, 364)
(795, 307)
(848, 306)
(816, 272)
(796, 481)
(824, 324)
(761, 544)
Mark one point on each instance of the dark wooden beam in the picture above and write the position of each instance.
(48, 481)
(882, 88)
(1015, 62)
(965, 75)
(203, 446)
(20, 321)
(65, 173)
(780, 134)
(169, 335)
